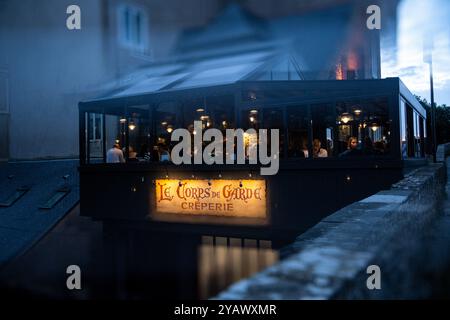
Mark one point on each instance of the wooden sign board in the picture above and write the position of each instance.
(231, 198)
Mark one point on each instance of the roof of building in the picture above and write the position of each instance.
(238, 46)
(24, 222)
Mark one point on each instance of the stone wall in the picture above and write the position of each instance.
(329, 261)
(442, 152)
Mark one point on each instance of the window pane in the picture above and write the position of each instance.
(323, 127)
(417, 140)
(90, 124)
(251, 118)
(273, 119)
(98, 127)
(139, 140)
(165, 122)
(95, 130)
(297, 132)
(364, 127)
(113, 131)
(403, 135)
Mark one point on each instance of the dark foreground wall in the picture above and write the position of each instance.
(398, 230)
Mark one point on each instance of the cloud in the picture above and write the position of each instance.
(419, 22)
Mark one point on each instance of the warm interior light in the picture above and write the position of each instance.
(200, 110)
(224, 123)
(254, 111)
(374, 128)
(132, 126)
(252, 119)
(169, 129)
(339, 72)
(123, 120)
(204, 117)
(164, 123)
(345, 118)
(357, 112)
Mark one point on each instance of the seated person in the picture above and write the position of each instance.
(352, 148)
(132, 155)
(367, 147)
(330, 146)
(379, 147)
(164, 154)
(318, 151)
(305, 148)
(294, 150)
(154, 155)
(115, 155)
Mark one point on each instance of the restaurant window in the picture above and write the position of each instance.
(273, 118)
(403, 132)
(417, 150)
(114, 131)
(298, 132)
(95, 126)
(323, 130)
(214, 112)
(139, 133)
(165, 122)
(410, 137)
(419, 136)
(252, 119)
(422, 136)
(95, 134)
(364, 127)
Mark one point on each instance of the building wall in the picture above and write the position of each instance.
(50, 69)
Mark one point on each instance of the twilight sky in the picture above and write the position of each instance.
(419, 20)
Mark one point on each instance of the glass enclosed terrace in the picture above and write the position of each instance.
(318, 120)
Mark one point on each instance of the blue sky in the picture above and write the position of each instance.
(419, 20)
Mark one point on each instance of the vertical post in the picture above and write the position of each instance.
(88, 140)
(82, 135)
(310, 132)
(104, 135)
(433, 111)
(127, 134)
(286, 132)
(428, 58)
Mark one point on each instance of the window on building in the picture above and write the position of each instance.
(273, 118)
(139, 133)
(403, 132)
(298, 131)
(166, 118)
(323, 128)
(364, 127)
(95, 127)
(133, 27)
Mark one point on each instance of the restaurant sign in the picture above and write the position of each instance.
(234, 198)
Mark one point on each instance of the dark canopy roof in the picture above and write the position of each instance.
(238, 46)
